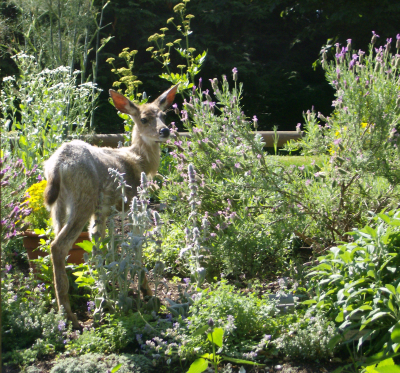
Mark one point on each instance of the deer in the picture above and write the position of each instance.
(80, 188)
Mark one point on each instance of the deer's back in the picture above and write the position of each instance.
(84, 170)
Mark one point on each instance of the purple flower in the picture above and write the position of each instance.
(398, 41)
(8, 267)
(374, 37)
(237, 165)
(39, 178)
(214, 166)
(235, 73)
(90, 306)
(301, 168)
(337, 141)
(61, 325)
(308, 182)
(213, 234)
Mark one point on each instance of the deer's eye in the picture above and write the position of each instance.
(144, 120)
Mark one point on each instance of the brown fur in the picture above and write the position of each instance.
(77, 175)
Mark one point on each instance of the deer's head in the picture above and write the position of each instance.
(149, 118)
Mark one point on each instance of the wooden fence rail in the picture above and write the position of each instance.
(111, 140)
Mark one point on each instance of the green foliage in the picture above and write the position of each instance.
(173, 236)
(43, 108)
(362, 129)
(106, 338)
(251, 316)
(163, 56)
(30, 328)
(15, 178)
(114, 265)
(56, 33)
(226, 158)
(215, 336)
(357, 285)
(98, 363)
(307, 339)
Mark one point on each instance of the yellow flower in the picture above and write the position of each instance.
(35, 200)
(363, 124)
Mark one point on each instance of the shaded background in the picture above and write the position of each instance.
(272, 43)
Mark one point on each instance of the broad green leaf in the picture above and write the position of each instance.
(198, 366)
(391, 288)
(241, 361)
(395, 335)
(200, 330)
(22, 140)
(371, 274)
(86, 245)
(334, 341)
(393, 368)
(379, 315)
(340, 317)
(309, 301)
(384, 217)
(217, 336)
(116, 368)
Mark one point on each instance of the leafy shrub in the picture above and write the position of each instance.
(363, 126)
(307, 339)
(97, 363)
(357, 284)
(15, 178)
(247, 321)
(109, 337)
(43, 108)
(233, 194)
(250, 315)
(28, 322)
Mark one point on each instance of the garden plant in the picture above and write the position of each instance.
(217, 233)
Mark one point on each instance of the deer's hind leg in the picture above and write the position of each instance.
(60, 247)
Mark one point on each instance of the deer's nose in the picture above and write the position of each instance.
(164, 132)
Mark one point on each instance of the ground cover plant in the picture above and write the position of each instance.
(232, 214)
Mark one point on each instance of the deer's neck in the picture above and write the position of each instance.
(148, 152)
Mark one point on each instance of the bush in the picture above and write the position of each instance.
(15, 178)
(233, 195)
(307, 339)
(42, 108)
(97, 363)
(357, 284)
(30, 328)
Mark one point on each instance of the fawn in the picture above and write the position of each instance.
(77, 175)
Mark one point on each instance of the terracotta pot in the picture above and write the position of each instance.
(32, 241)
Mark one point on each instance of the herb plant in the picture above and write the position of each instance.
(356, 284)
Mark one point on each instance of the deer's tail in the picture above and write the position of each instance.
(53, 186)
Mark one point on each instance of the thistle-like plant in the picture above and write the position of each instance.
(195, 238)
(115, 265)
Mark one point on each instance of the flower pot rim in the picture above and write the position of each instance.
(30, 233)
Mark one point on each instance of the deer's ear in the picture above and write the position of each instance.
(122, 103)
(165, 100)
